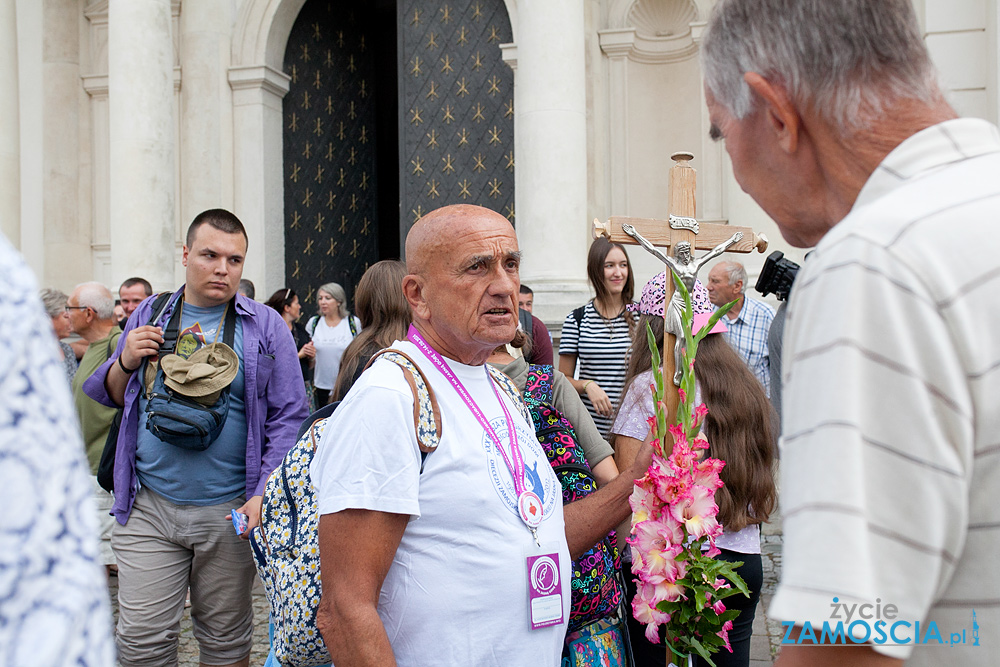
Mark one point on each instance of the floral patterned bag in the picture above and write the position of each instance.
(285, 545)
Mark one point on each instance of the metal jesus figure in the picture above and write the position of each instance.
(686, 268)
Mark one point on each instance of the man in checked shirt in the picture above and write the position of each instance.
(749, 320)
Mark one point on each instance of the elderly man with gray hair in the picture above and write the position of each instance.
(91, 309)
(890, 465)
(749, 320)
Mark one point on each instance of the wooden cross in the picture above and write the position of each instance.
(680, 226)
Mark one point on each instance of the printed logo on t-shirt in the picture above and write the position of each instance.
(537, 478)
(192, 338)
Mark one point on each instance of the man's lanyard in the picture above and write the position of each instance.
(528, 504)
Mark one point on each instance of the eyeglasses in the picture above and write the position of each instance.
(69, 308)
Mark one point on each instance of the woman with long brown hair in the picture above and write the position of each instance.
(384, 315)
(740, 428)
(597, 335)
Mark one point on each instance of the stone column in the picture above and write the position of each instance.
(67, 231)
(141, 113)
(10, 128)
(550, 135)
(205, 107)
(258, 188)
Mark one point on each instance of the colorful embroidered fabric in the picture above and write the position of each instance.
(600, 644)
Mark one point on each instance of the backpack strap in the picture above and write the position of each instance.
(229, 333)
(426, 413)
(171, 330)
(352, 325)
(538, 386)
(509, 388)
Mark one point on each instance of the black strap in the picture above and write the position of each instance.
(578, 315)
(350, 323)
(229, 335)
(159, 304)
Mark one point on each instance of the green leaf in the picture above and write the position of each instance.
(701, 650)
(728, 615)
(724, 593)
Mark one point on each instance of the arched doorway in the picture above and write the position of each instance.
(339, 136)
(394, 108)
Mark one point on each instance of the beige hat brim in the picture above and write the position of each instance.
(208, 371)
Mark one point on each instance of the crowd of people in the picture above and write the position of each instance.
(466, 552)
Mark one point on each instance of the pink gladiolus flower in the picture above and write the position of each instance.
(720, 583)
(645, 611)
(700, 411)
(682, 457)
(678, 433)
(697, 510)
(724, 634)
(718, 607)
(665, 481)
(713, 551)
(699, 443)
(645, 505)
(652, 539)
(706, 473)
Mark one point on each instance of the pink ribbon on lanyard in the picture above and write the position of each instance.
(529, 505)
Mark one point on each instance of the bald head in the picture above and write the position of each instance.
(438, 231)
(462, 263)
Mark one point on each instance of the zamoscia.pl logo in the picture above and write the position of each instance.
(877, 624)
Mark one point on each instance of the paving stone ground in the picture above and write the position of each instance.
(764, 644)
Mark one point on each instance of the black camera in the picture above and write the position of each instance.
(777, 276)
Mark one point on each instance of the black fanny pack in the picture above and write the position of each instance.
(177, 419)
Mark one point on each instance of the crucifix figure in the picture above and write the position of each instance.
(686, 268)
(682, 234)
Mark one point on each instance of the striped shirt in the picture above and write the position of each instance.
(891, 447)
(601, 349)
(748, 336)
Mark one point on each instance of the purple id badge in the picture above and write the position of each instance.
(545, 603)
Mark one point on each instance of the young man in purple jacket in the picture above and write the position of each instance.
(172, 504)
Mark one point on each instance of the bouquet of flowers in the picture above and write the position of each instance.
(680, 584)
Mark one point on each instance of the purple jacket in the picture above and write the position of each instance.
(271, 373)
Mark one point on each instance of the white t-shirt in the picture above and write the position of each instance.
(457, 591)
(330, 343)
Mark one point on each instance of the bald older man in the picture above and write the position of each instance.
(450, 566)
(890, 465)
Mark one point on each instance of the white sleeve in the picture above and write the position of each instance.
(368, 457)
(636, 409)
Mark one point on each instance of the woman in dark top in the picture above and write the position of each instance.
(385, 316)
(286, 302)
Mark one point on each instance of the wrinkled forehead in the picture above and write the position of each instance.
(459, 244)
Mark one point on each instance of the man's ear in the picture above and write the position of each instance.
(184, 256)
(413, 291)
(780, 114)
